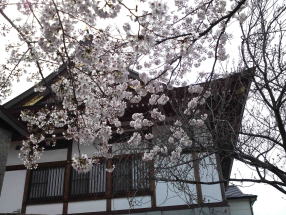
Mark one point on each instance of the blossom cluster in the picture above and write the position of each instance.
(31, 151)
(162, 44)
(83, 163)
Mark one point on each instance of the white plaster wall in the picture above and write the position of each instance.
(13, 156)
(87, 206)
(239, 207)
(47, 156)
(167, 195)
(12, 191)
(170, 193)
(209, 173)
(45, 209)
(123, 148)
(131, 203)
(54, 155)
(85, 149)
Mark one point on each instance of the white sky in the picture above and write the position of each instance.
(269, 201)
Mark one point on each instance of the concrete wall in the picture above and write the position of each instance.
(240, 207)
(12, 191)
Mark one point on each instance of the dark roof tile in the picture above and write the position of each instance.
(233, 192)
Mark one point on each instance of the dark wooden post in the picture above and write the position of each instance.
(67, 179)
(26, 191)
(219, 169)
(197, 177)
(152, 184)
(108, 185)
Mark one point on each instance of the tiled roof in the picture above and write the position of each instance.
(233, 192)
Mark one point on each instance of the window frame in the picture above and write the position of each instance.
(59, 180)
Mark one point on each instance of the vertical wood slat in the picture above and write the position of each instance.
(89, 180)
(46, 183)
(62, 184)
(49, 190)
(103, 177)
(129, 173)
(99, 179)
(37, 183)
(36, 186)
(90, 184)
(57, 173)
(54, 177)
(40, 178)
(152, 184)
(32, 191)
(42, 183)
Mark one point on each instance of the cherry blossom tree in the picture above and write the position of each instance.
(102, 45)
(162, 42)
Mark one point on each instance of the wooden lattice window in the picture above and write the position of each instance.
(92, 183)
(47, 184)
(131, 174)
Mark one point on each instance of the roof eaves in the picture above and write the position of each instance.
(30, 91)
(16, 125)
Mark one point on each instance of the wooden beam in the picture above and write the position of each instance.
(67, 179)
(40, 165)
(108, 185)
(197, 178)
(219, 169)
(152, 184)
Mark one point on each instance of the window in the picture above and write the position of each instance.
(92, 183)
(130, 174)
(47, 184)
